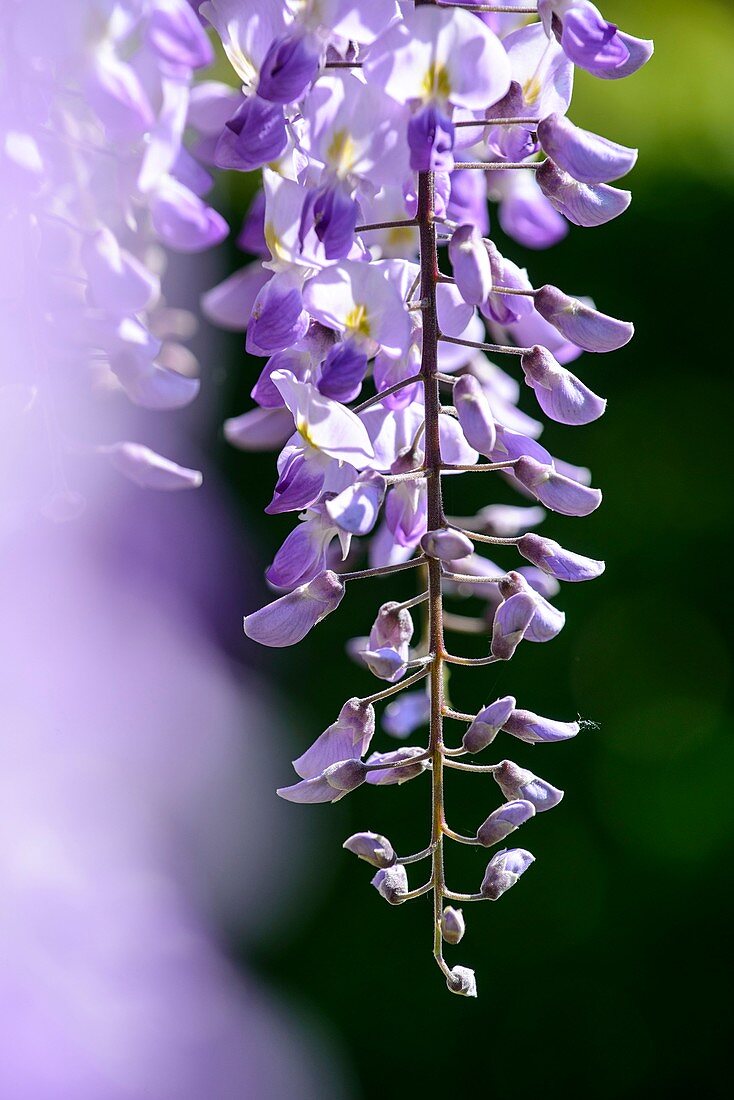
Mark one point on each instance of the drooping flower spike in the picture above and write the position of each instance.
(386, 129)
(94, 178)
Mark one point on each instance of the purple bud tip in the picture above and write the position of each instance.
(447, 545)
(461, 980)
(487, 724)
(392, 883)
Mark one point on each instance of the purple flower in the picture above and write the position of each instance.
(176, 34)
(446, 545)
(511, 622)
(255, 135)
(431, 141)
(475, 414)
(504, 870)
(289, 67)
(392, 775)
(561, 395)
(332, 213)
(183, 221)
(534, 729)
(392, 883)
(504, 820)
(590, 41)
(343, 371)
(582, 203)
(470, 263)
(356, 508)
(560, 563)
(585, 156)
(580, 323)
(487, 724)
(346, 739)
(333, 784)
(372, 848)
(554, 490)
(517, 783)
(288, 619)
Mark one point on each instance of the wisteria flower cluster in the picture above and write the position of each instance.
(382, 129)
(96, 183)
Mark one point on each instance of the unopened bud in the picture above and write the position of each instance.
(452, 925)
(371, 847)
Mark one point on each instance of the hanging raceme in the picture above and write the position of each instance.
(382, 129)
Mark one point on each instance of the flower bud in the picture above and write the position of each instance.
(547, 621)
(470, 263)
(553, 559)
(346, 775)
(392, 883)
(503, 871)
(533, 728)
(487, 724)
(446, 544)
(587, 157)
(372, 848)
(452, 925)
(559, 493)
(390, 776)
(517, 783)
(475, 414)
(392, 627)
(504, 820)
(511, 622)
(561, 395)
(582, 203)
(580, 323)
(461, 980)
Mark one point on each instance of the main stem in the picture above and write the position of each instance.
(429, 374)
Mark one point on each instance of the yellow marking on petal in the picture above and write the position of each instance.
(399, 238)
(341, 152)
(272, 240)
(303, 430)
(357, 321)
(531, 90)
(436, 83)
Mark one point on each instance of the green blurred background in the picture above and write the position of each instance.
(604, 971)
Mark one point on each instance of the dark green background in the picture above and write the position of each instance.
(604, 970)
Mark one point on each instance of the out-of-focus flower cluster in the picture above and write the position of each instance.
(95, 185)
(376, 124)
